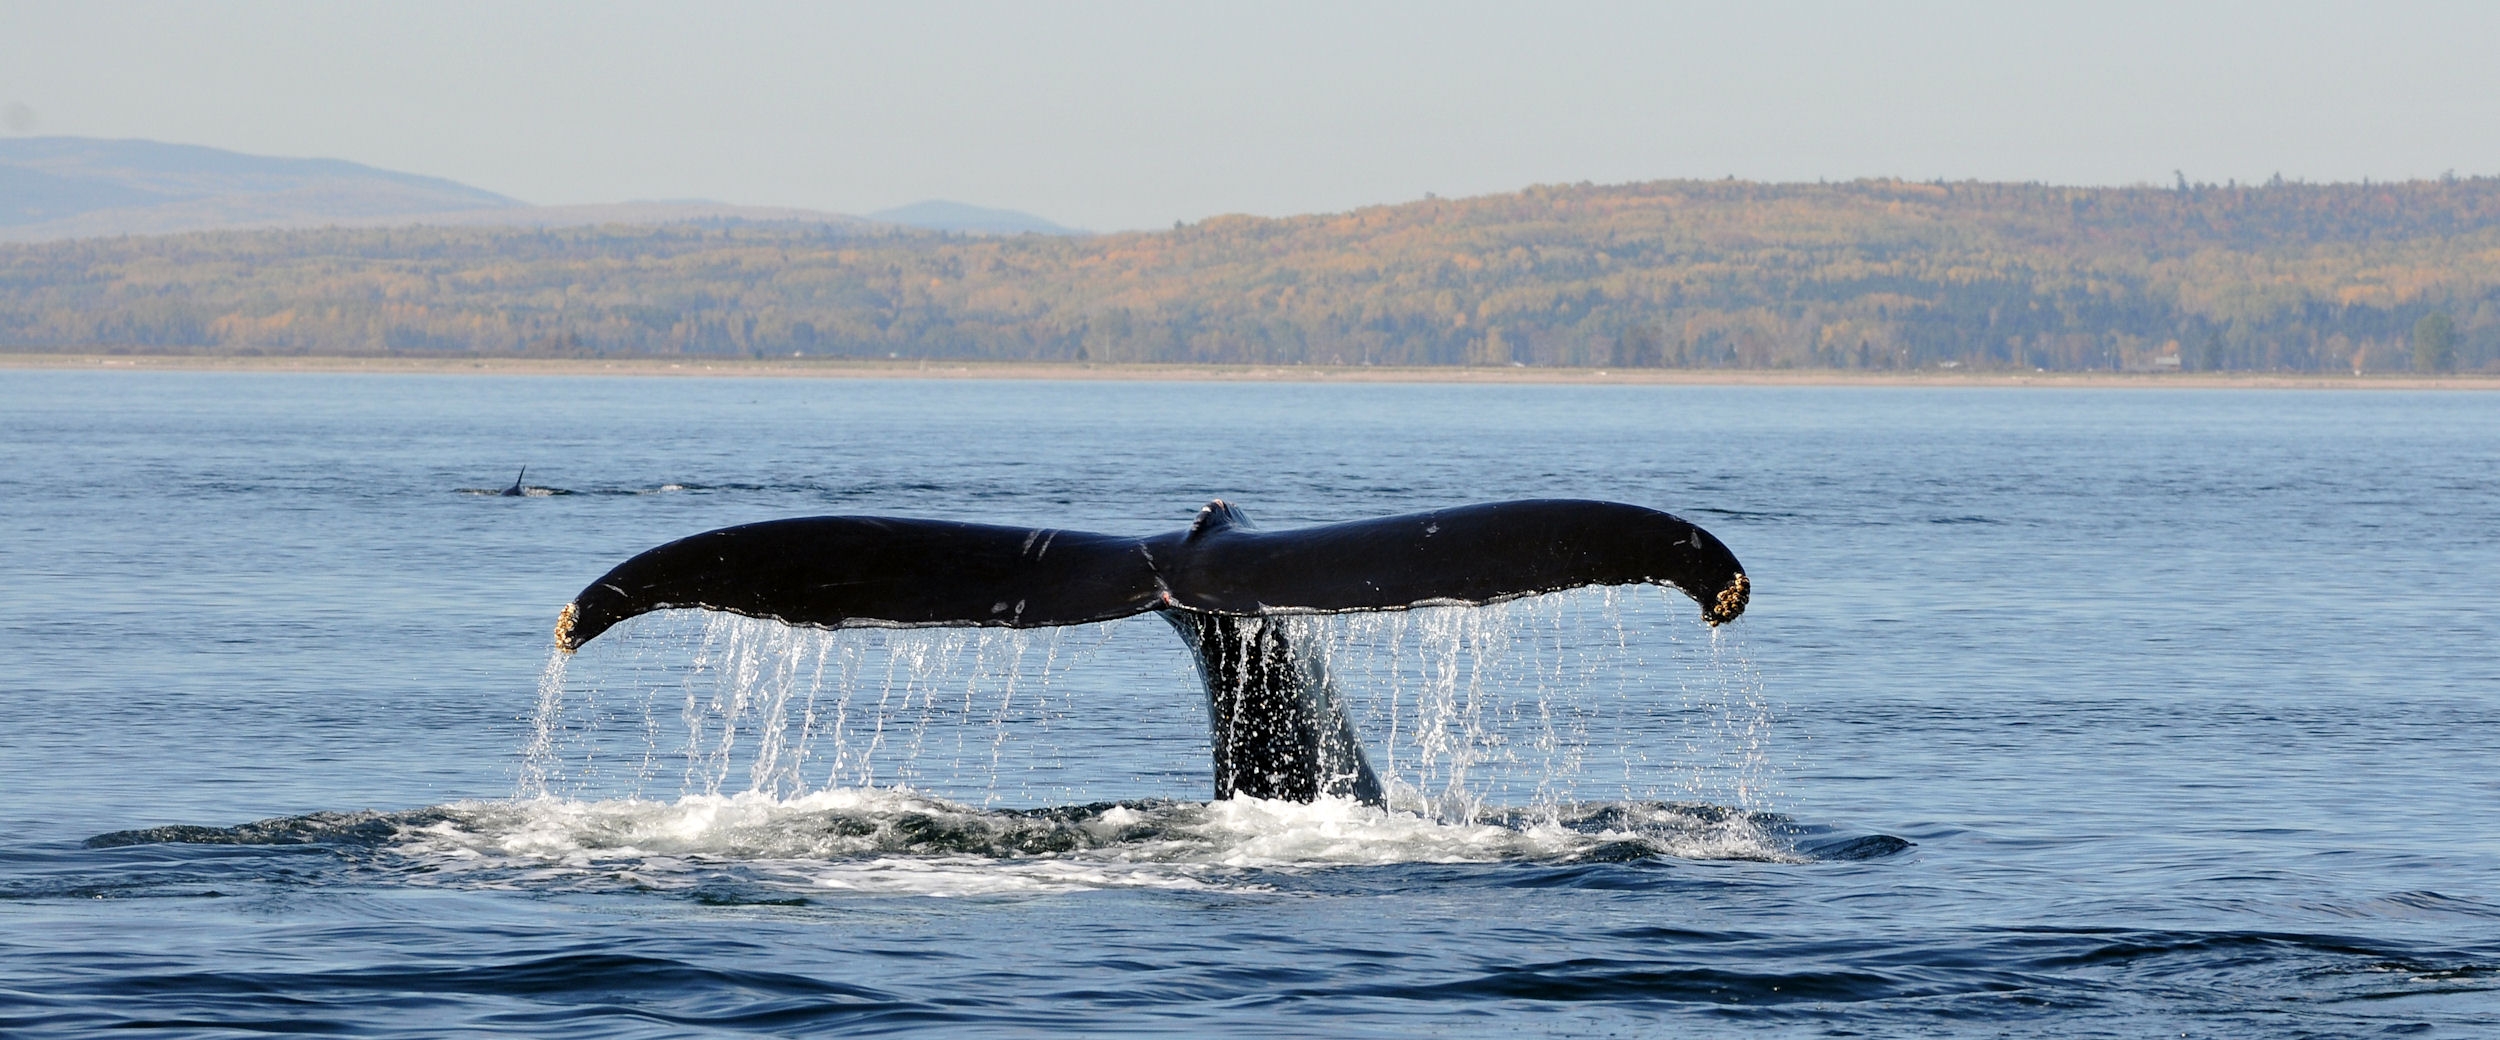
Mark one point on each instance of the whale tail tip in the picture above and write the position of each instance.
(1730, 602)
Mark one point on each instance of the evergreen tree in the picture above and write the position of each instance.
(2434, 343)
(2207, 355)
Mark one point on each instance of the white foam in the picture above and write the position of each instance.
(879, 840)
(957, 876)
(1254, 832)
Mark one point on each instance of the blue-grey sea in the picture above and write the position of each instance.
(2058, 713)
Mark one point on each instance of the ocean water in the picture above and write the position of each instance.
(2057, 714)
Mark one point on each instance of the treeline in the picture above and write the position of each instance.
(1867, 274)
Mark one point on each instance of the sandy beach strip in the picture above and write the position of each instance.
(848, 368)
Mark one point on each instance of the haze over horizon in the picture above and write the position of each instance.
(1112, 117)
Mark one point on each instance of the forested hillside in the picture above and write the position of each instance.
(1869, 274)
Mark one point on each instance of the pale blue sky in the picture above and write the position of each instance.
(1133, 115)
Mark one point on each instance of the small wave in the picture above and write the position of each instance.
(321, 828)
(899, 841)
(1750, 514)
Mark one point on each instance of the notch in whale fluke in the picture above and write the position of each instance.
(1276, 728)
(857, 571)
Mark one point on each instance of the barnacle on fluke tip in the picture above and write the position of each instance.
(1730, 601)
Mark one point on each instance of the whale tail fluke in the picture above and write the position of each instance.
(1277, 729)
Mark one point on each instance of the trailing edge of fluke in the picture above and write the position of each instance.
(1278, 732)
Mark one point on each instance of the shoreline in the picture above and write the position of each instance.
(849, 368)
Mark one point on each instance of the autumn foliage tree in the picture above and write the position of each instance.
(1860, 275)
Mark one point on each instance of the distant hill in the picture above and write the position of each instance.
(70, 187)
(54, 188)
(641, 213)
(1873, 274)
(962, 218)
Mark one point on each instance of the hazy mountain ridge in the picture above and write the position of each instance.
(194, 171)
(1866, 274)
(59, 188)
(32, 196)
(67, 187)
(965, 218)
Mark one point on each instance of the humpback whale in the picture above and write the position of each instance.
(1277, 728)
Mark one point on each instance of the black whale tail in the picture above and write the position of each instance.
(1277, 729)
